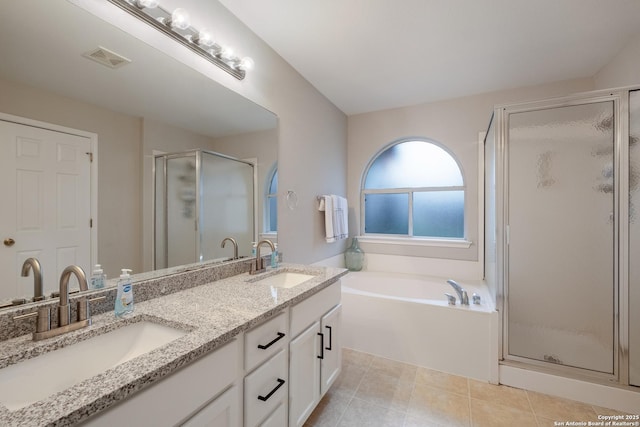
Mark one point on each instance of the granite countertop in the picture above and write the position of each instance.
(211, 314)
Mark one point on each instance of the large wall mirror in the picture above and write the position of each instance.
(148, 105)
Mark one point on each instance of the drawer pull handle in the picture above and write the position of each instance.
(329, 348)
(266, 346)
(265, 398)
(321, 345)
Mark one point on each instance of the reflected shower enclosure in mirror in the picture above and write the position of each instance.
(201, 198)
(152, 104)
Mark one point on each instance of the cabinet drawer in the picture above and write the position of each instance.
(265, 389)
(278, 418)
(265, 340)
(311, 309)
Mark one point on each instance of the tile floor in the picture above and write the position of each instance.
(373, 391)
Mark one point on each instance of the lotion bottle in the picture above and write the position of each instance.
(97, 277)
(124, 297)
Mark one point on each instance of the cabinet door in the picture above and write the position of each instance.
(221, 412)
(304, 374)
(332, 352)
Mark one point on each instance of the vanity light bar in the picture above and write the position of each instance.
(176, 25)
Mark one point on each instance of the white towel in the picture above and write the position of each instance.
(336, 217)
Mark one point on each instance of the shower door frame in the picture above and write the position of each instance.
(620, 100)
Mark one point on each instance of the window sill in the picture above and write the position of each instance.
(417, 241)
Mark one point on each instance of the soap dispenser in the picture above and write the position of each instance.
(274, 256)
(97, 277)
(124, 297)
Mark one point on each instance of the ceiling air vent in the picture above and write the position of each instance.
(106, 57)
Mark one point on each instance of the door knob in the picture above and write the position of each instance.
(9, 242)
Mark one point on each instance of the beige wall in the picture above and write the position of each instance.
(454, 123)
(119, 159)
(623, 69)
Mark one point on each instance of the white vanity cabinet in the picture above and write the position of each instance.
(200, 394)
(267, 372)
(263, 377)
(315, 352)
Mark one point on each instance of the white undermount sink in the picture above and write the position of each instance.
(285, 279)
(34, 379)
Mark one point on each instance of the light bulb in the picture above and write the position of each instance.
(246, 64)
(204, 38)
(149, 4)
(180, 19)
(227, 52)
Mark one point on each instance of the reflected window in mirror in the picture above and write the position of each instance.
(271, 201)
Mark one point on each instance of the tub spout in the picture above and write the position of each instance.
(462, 294)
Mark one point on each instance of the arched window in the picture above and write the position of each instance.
(414, 188)
(271, 202)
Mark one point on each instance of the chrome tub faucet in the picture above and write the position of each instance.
(462, 294)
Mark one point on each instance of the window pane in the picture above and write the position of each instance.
(413, 164)
(438, 214)
(273, 187)
(386, 213)
(273, 213)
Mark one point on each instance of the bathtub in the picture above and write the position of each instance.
(407, 318)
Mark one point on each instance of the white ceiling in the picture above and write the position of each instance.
(369, 55)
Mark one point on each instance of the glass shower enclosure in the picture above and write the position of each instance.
(201, 197)
(561, 229)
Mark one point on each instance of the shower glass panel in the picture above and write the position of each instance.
(181, 245)
(634, 238)
(560, 236)
(200, 198)
(227, 205)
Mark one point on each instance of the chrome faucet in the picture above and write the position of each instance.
(258, 265)
(235, 245)
(462, 294)
(43, 313)
(34, 264)
(64, 312)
